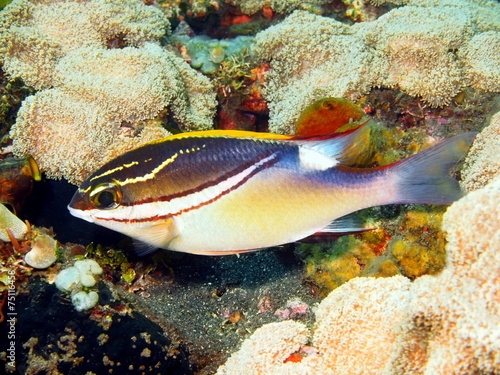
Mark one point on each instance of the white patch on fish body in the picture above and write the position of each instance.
(312, 159)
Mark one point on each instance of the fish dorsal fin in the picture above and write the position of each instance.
(345, 148)
(226, 133)
(154, 236)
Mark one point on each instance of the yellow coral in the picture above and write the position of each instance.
(421, 247)
(412, 257)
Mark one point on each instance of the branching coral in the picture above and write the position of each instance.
(432, 50)
(103, 85)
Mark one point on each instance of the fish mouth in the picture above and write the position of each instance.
(80, 214)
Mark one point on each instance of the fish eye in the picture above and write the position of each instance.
(106, 196)
(328, 105)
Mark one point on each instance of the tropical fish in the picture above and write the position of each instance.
(328, 116)
(224, 192)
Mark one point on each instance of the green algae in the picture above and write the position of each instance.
(206, 54)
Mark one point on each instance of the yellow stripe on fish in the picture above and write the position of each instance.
(222, 192)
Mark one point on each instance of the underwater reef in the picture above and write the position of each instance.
(83, 81)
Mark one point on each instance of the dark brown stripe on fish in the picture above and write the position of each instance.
(208, 184)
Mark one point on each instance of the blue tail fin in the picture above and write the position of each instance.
(425, 177)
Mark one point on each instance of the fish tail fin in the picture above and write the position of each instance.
(425, 177)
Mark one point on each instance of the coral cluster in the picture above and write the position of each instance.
(410, 244)
(439, 324)
(483, 163)
(35, 35)
(447, 48)
(104, 79)
(43, 252)
(77, 279)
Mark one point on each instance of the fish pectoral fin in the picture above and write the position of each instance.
(154, 236)
(142, 248)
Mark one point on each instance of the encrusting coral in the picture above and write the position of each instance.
(447, 47)
(438, 324)
(102, 85)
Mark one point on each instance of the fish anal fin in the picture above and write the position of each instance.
(222, 252)
(142, 248)
(348, 224)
